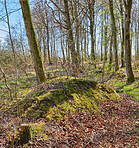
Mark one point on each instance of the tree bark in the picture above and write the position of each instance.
(114, 34)
(130, 75)
(101, 58)
(71, 41)
(48, 40)
(106, 36)
(44, 49)
(36, 55)
(62, 41)
(85, 44)
(77, 31)
(91, 18)
(122, 42)
(110, 61)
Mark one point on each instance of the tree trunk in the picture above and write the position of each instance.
(122, 42)
(71, 41)
(62, 48)
(91, 18)
(13, 49)
(110, 62)
(44, 49)
(36, 55)
(106, 36)
(101, 36)
(62, 41)
(77, 31)
(67, 51)
(137, 41)
(84, 44)
(114, 34)
(48, 40)
(130, 75)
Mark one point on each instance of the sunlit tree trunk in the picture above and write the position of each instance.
(71, 41)
(36, 55)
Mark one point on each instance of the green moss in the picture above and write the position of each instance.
(120, 84)
(72, 95)
(38, 128)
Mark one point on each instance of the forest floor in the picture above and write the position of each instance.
(115, 124)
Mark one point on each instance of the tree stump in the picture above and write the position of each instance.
(25, 134)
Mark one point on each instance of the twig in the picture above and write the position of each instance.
(5, 79)
(12, 143)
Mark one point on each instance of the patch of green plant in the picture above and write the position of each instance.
(72, 95)
(38, 128)
(132, 89)
(119, 82)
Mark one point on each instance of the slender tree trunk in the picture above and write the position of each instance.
(130, 75)
(13, 49)
(122, 41)
(81, 40)
(110, 61)
(137, 38)
(84, 44)
(106, 35)
(62, 41)
(44, 49)
(114, 34)
(48, 40)
(36, 55)
(21, 42)
(62, 48)
(71, 41)
(95, 30)
(68, 52)
(91, 18)
(102, 36)
(77, 31)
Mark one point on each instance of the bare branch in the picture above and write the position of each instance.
(5, 79)
(125, 4)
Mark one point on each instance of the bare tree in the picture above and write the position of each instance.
(71, 41)
(36, 55)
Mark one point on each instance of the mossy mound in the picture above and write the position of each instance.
(64, 97)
